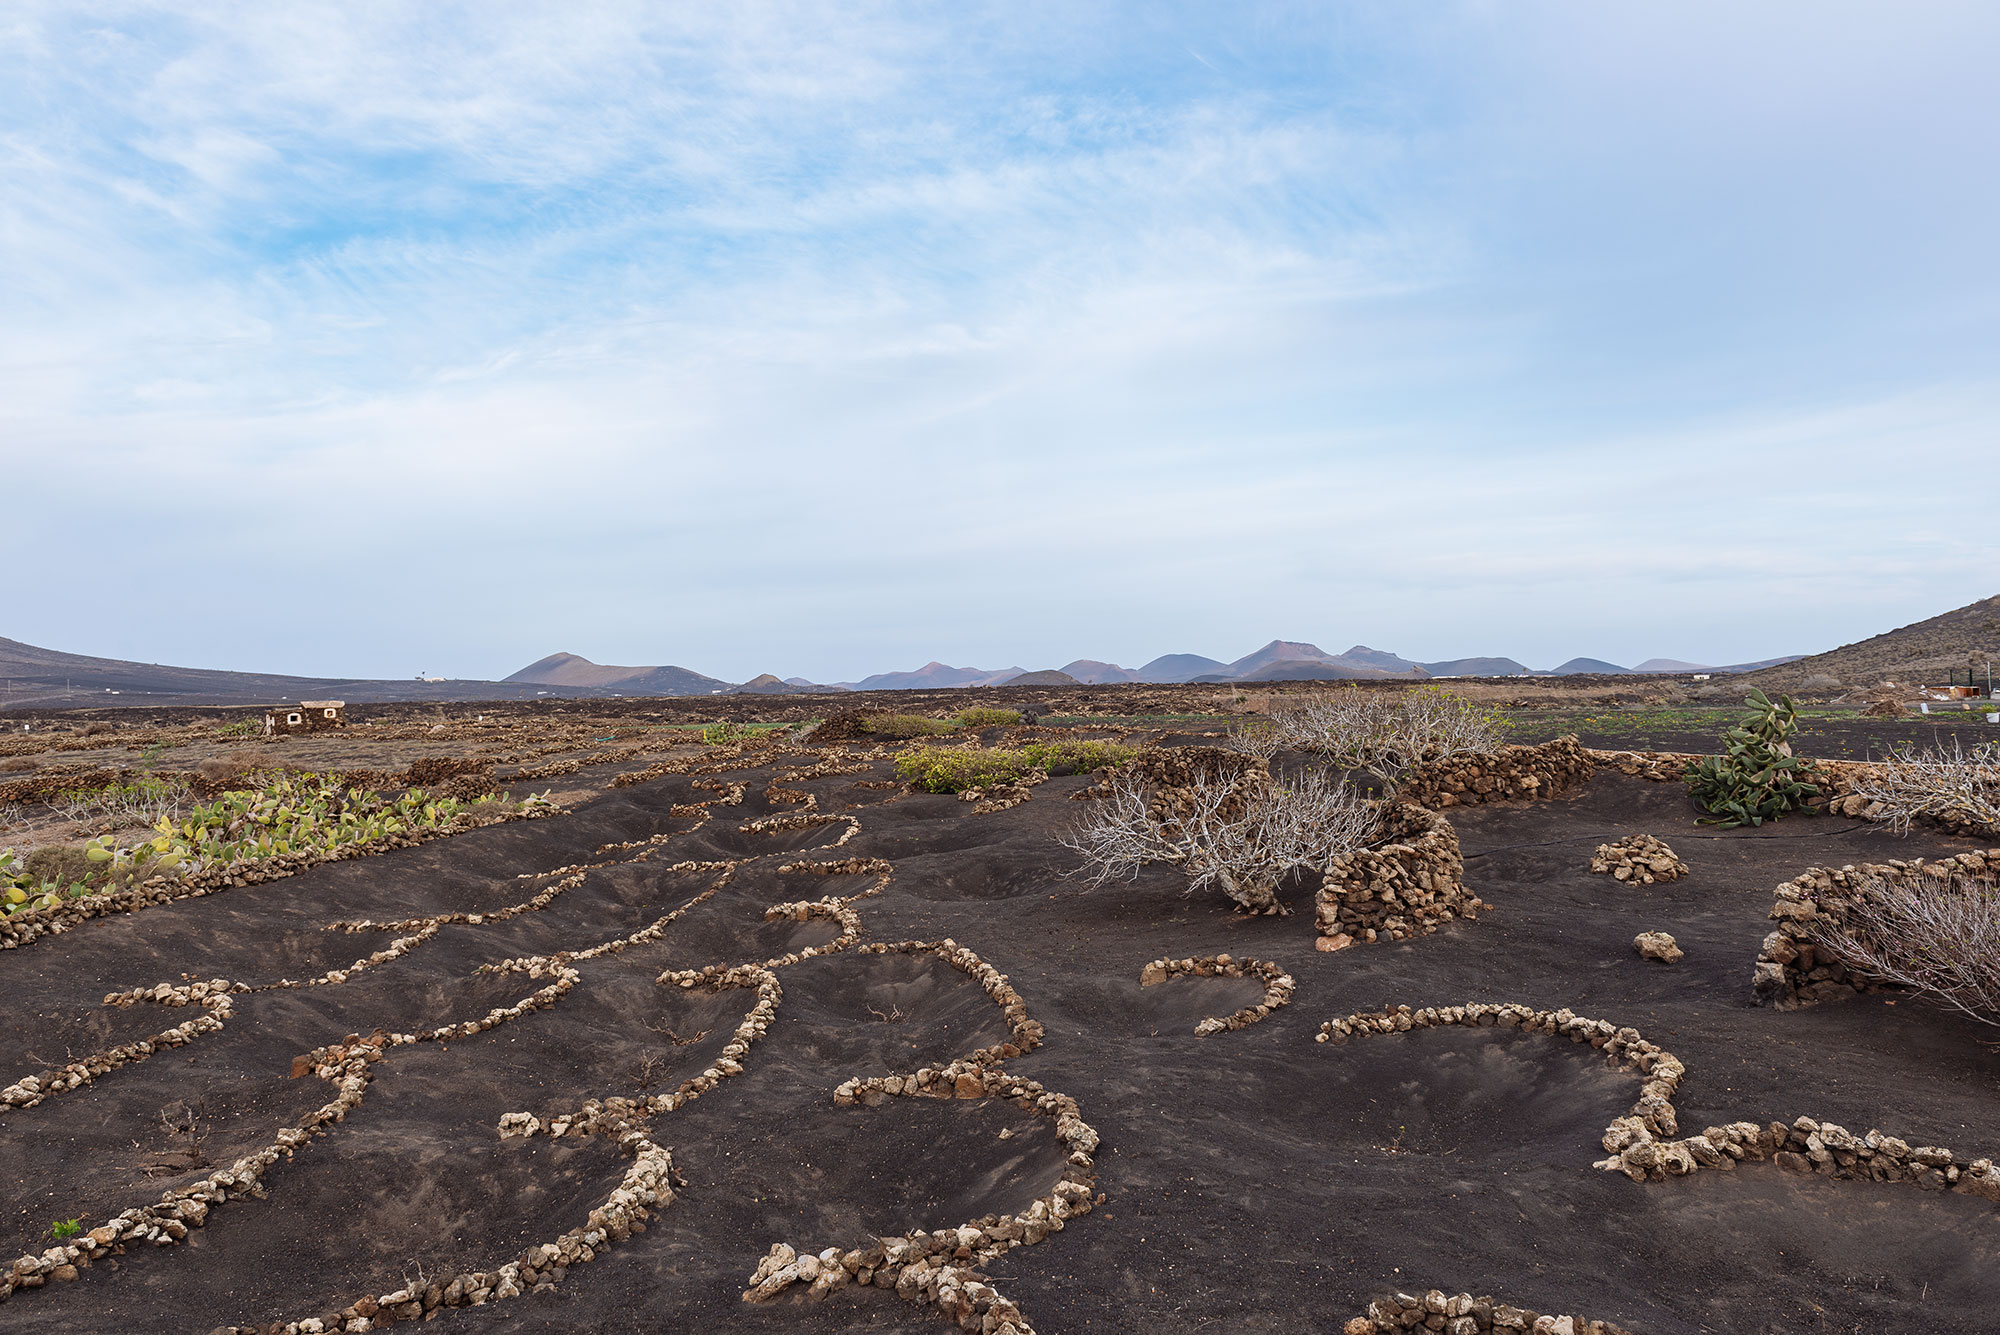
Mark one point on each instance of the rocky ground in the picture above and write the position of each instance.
(1250, 1179)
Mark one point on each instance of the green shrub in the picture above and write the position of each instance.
(289, 814)
(987, 716)
(36, 882)
(1076, 757)
(64, 1229)
(935, 769)
(1757, 778)
(721, 734)
(902, 727)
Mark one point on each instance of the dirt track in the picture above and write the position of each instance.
(1253, 1180)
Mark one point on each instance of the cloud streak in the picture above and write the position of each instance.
(774, 339)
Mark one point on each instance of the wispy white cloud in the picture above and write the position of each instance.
(771, 337)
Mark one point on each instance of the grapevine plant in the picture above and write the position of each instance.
(1757, 778)
(289, 814)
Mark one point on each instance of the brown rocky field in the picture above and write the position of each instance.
(585, 1072)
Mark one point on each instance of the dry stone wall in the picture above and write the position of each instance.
(1792, 970)
(1511, 773)
(1463, 1314)
(1644, 1144)
(1398, 889)
(1278, 986)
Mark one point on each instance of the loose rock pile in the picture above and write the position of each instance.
(1463, 1314)
(1640, 859)
(1278, 986)
(1399, 889)
(1792, 970)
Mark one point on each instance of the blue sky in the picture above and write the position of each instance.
(827, 340)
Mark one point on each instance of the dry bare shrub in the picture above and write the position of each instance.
(1241, 839)
(1388, 735)
(19, 765)
(1957, 787)
(1260, 737)
(1939, 936)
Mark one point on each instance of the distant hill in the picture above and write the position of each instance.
(1289, 660)
(1308, 669)
(572, 670)
(933, 676)
(1169, 669)
(1046, 677)
(1476, 667)
(1090, 672)
(50, 679)
(1277, 651)
(767, 684)
(1923, 652)
(1579, 666)
(1361, 656)
(1676, 665)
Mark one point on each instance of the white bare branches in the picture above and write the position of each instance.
(1260, 737)
(1238, 836)
(1957, 786)
(1388, 735)
(1937, 935)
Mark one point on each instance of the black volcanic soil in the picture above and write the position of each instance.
(1255, 1180)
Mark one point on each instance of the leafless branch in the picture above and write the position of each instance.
(1958, 786)
(1387, 734)
(1239, 839)
(1936, 935)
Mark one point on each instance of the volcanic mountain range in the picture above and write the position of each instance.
(1280, 660)
(32, 677)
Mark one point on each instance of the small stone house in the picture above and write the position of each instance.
(305, 716)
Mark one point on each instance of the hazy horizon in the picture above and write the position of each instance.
(438, 339)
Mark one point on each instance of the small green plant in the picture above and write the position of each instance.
(934, 769)
(248, 727)
(987, 716)
(723, 733)
(65, 1229)
(902, 727)
(1757, 778)
(290, 814)
(1076, 757)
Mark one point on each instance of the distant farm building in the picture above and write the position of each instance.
(305, 716)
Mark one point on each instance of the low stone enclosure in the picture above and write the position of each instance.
(1793, 969)
(1398, 889)
(1643, 1144)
